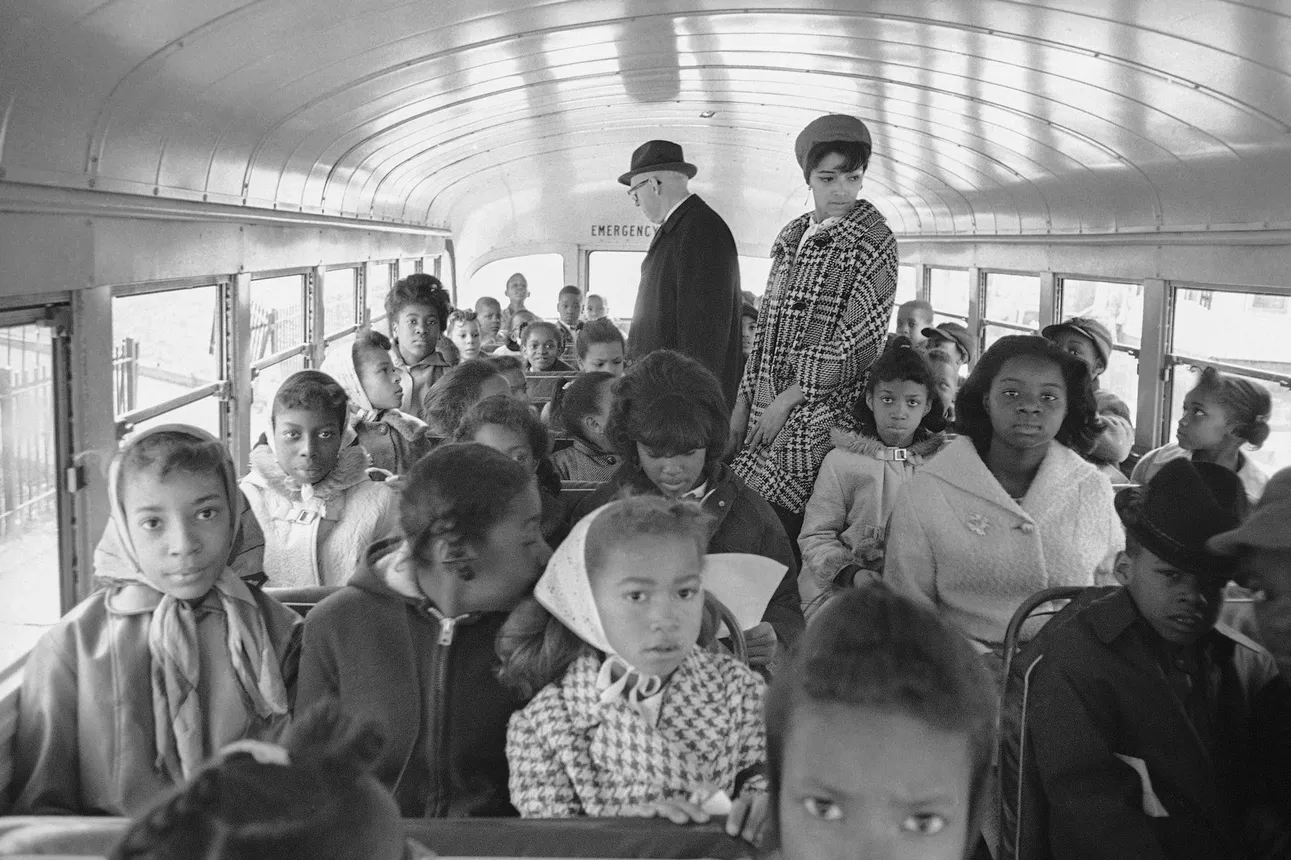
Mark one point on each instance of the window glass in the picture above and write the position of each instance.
(406, 268)
(948, 290)
(204, 413)
(544, 272)
(1118, 306)
(1246, 329)
(338, 299)
(29, 471)
(906, 291)
(1012, 299)
(378, 289)
(277, 315)
(754, 272)
(164, 344)
(264, 387)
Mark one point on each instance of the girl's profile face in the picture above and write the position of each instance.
(379, 379)
(511, 557)
(509, 442)
(1204, 424)
(674, 474)
(181, 528)
(650, 599)
(1027, 402)
(466, 337)
(595, 424)
(606, 357)
(859, 782)
(899, 406)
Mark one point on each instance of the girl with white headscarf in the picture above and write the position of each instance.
(631, 716)
(172, 658)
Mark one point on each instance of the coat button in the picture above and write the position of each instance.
(799, 306)
(1027, 528)
(383, 429)
(612, 460)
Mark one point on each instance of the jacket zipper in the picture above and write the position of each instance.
(437, 735)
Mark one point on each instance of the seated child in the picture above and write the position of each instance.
(1220, 415)
(912, 318)
(748, 330)
(171, 658)
(569, 307)
(1261, 551)
(310, 489)
(845, 521)
(670, 425)
(597, 307)
(953, 339)
(1089, 340)
(632, 717)
(464, 332)
(512, 370)
(1143, 714)
(394, 439)
(312, 797)
(489, 313)
(542, 355)
(408, 644)
(880, 733)
(520, 323)
(517, 290)
(584, 410)
(601, 347)
(417, 309)
(510, 426)
(945, 377)
(459, 390)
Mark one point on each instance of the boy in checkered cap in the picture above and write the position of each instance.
(1089, 340)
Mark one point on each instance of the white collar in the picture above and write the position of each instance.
(699, 493)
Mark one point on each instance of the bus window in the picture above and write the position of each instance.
(277, 327)
(544, 272)
(1118, 306)
(948, 292)
(1012, 305)
(378, 287)
(907, 291)
(1244, 329)
(406, 268)
(166, 347)
(754, 272)
(615, 276)
(29, 472)
(339, 287)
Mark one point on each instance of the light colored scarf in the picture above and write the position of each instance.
(172, 631)
(339, 364)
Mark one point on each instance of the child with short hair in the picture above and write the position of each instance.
(509, 425)
(464, 332)
(417, 308)
(310, 488)
(569, 308)
(512, 370)
(409, 642)
(517, 290)
(314, 797)
(880, 734)
(597, 307)
(542, 355)
(748, 329)
(669, 423)
(945, 377)
(845, 521)
(171, 658)
(632, 717)
(519, 327)
(489, 313)
(1220, 415)
(912, 318)
(583, 407)
(1144, 717)
(601, 348)
(393, 438)
(459, 390)
(1091, 342)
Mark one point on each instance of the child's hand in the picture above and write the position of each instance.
(747, 816)
(676, 811)
(760, 643)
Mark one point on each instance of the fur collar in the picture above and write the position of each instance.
(351, 470)
(925, 444)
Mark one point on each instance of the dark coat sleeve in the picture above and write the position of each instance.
(46, 778)
(319, 677)
(707, 325)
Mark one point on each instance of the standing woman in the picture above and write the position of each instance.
(823, 321)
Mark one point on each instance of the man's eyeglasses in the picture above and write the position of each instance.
(632, 192)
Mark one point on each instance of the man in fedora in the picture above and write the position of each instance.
(689, 298)
(1156, 733)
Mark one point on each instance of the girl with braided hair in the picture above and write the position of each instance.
(408, 643)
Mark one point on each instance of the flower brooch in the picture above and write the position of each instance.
(978, 524)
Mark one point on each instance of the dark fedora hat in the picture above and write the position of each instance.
(1183, 506)
(658, 155)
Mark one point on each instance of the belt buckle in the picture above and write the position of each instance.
(899, 455)
(304, 517)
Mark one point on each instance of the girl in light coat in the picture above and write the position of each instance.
(847, 516)
(1007, 508)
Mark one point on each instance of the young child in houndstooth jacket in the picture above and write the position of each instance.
(632, 716)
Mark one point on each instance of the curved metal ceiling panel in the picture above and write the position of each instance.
(989, 117)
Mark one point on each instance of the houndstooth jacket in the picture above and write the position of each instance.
(570, 755)
(822, 323)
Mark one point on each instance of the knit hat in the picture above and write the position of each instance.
(1090, 328)
(830, 128)
(1269, 525)
(1176, 512)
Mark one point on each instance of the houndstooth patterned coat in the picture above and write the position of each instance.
(823, 321)
(570, 755)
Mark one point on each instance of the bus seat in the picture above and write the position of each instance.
(10, 682)
(1023, 812)
(302, 598)
(59, 835)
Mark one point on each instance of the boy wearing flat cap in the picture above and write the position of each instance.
(1091, 342)
(1155, 733)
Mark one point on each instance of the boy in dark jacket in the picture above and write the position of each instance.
(1157, 734)
(669, 422)
(409, 641)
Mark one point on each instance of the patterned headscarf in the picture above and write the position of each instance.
(172, 631)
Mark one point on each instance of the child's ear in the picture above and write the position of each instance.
(869, 400)
(1123, 569)
(592, 423)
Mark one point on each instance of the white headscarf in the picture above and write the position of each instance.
(172, 631)
(339, 364)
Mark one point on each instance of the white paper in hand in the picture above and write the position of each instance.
(744, 583)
